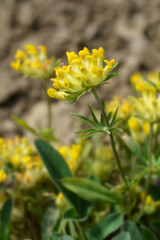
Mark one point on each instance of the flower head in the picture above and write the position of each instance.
(33, 62)
(84, 72)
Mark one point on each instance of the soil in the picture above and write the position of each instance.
(129, 31)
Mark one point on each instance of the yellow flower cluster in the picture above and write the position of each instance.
(25, 165)
(3, 175)
(15, 151)
(125, 108)
(139, 128)
(84, 72)
(72, 155)
(34, 63)
(148, 104)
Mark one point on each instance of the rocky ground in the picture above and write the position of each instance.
(129, 31)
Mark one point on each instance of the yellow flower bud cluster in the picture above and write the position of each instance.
(72, 155)
(84, 72)
(34, 62)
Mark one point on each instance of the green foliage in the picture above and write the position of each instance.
(147, 234)
(91, 190)
(131, 227)
(99, 126)
(106, 226)
(58, 169)
(111, 75)
(122, 236)
(43, 133)
(5, 220)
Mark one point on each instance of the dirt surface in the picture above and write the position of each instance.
(129, 31)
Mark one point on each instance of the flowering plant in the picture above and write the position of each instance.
(98, 193)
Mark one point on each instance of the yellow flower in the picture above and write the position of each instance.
(133, 124)
(33, 62)
(84, 72)
(3, 176)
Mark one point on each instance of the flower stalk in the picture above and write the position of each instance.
(48, 101)
(111, 137)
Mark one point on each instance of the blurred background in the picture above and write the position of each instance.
(128, 30)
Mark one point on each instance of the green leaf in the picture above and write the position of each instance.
(115, 129)
(5, 220)
(50, 220)
(85, 130)
(23, 124)
(58, 169)
(106, 226)
(102, 121)
(156, 226)
(122, 236)
(90, 134)
(90, 190)
(109, 116)
(150, 82)
(93, 115)
(85, 119)
(114, 118)
(132, 229)
(111, 75)
(71, 214)
(148, 234)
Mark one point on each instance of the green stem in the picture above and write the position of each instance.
(149, 173)
(81, 234)
(48, 101)
(111, 136)
(150, 162)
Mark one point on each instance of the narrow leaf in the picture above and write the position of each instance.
(114, 118)
(90, 190)
(149, 81)
(109, 116)
(85, 119)
(23, 124)
(106, 226)
(90, 134)
(102, 121)
(93, 115)
(111, 75)
(85, 130)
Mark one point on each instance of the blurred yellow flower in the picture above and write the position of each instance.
(3, 176)
(34, 63)
(84, 72)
